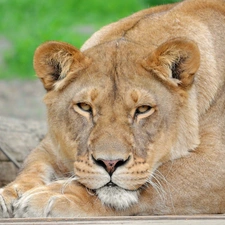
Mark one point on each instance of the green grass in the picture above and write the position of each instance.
(25, 24)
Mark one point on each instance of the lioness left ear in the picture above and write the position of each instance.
(55, 61)
(175, 61)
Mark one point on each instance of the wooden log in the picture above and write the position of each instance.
(17, 139)
(8, 172)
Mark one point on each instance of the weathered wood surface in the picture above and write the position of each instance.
(136, 220)
(17, 139)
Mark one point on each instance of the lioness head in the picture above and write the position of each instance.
(117, 111)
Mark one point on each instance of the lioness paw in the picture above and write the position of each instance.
(7, 197)
(4, 213)
(33, 205)
(42, 202)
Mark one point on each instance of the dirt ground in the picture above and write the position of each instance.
(22, 100)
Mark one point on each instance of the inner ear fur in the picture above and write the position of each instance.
(176, 61)
(53, 61)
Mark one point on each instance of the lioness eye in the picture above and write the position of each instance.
(85, 107)
(142, 109)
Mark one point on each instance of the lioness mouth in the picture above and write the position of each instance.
(111, 184)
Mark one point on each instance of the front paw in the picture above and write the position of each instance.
(35, 203)
(47, 201)
(8, 195)
(60, 199)
(5, 209)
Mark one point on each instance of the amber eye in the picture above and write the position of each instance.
(143, 109)
(85, 107)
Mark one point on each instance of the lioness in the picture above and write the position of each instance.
(136, 120)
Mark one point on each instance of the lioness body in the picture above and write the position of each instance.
(136, 120)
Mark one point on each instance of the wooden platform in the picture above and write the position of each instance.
(136, 220)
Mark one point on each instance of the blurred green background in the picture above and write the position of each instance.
(25, 24)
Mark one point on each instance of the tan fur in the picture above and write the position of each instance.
(145, 94)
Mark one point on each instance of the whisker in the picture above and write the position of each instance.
(159, 183)
(158, 174)
(67, 183)
(158, 187)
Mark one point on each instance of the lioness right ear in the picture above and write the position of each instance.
(175, 61)
(53, 62)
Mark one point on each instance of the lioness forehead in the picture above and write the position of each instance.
(120, 83)
(119, 75)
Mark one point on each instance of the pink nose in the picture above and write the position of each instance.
(111, 165)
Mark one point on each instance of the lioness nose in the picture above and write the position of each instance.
(110, 165)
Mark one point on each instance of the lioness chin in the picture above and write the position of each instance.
(136, 122)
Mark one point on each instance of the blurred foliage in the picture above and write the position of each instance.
(149, 3)
(25, 24)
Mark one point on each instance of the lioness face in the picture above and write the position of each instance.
(115, 122)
